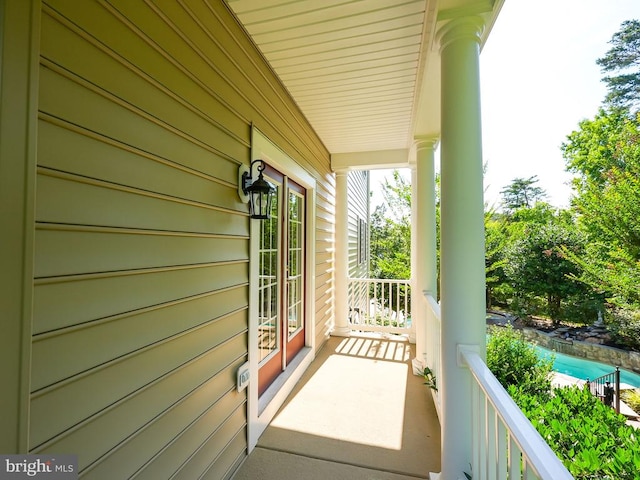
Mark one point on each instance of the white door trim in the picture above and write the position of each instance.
(261, 411)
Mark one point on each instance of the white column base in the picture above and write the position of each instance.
(418, 367)
(436, 476)
(341, 332)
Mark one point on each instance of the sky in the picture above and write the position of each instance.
(539, 79)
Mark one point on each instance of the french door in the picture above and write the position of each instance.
(281, 256)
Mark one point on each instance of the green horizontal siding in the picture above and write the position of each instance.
(95, 343)
(141, 274)
(65, 301)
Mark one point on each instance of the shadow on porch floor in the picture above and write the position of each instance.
(357, 413)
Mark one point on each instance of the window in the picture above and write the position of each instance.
(363, 241)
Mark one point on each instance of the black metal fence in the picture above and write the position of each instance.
(607, 389)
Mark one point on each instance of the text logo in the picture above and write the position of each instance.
(49, 467)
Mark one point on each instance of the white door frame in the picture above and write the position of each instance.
(261, 410)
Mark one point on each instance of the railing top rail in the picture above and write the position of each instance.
(433, 304)
(606, 376)
(542, 459)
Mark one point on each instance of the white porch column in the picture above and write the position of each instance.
(462, 272)
(424, 271)
(341, 305)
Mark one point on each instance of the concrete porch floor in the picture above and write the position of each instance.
(358, 413)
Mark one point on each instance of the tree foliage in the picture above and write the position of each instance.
(604, 155)
(522, 193)
(515, 362)
(538, 267)
(608, 142)
(391, 231)
(590, 439)
(622, 61)
(565, 264)
(528, 270)
(497, 236)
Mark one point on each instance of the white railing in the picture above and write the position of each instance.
(504, 441)
(433, 344)
(506, 446)
(380, 305)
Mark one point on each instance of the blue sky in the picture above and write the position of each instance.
(539, 79)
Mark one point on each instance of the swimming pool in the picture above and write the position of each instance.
(586, 369)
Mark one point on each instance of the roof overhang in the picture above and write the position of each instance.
(365, 73)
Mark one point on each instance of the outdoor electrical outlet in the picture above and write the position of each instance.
(243, 377)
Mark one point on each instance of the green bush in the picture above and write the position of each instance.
(590, 438)
(515, 363)
(624, 325)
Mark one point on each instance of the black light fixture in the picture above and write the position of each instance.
(259, 193)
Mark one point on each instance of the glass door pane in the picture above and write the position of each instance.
(281, 327)
(295, 267)
(268, 290)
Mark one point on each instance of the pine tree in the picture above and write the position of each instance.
(623, 62)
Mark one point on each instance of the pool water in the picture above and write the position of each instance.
(586, 369)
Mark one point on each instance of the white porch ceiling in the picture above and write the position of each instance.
(364, 72)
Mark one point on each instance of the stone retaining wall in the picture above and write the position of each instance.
(588, 351)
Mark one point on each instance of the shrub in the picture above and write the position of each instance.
(515, 363)
(624, 325)
(590, 438)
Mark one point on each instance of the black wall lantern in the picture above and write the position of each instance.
(258, 193)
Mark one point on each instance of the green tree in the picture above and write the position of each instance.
(522, 192)
(540, 214)
(497, 237)
(604, 155)
(391, 230)
(390, 237)
(538, 267)
(609, 141)
(622, 61)
(521, 200)
(502, 231)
